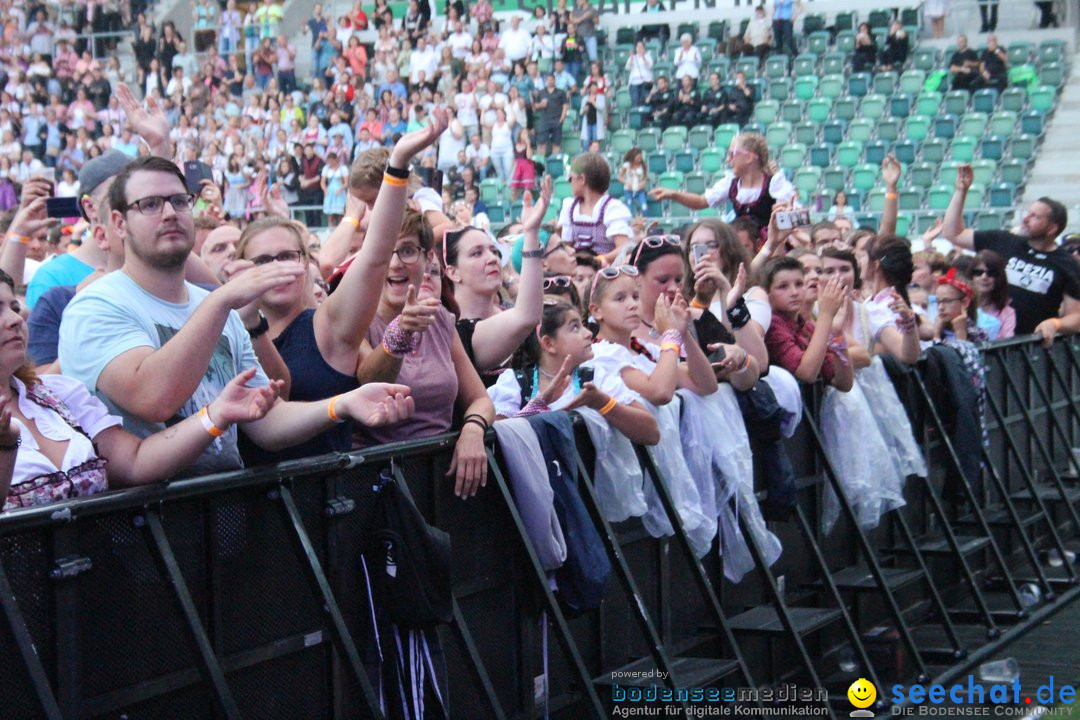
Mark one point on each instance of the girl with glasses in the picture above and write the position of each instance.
(957, 310)
(992, 288)
(319, 345)
(752, 185)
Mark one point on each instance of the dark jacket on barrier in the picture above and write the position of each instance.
(582, 577)
(956, 399)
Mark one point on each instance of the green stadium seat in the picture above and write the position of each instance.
(905, 151)
(637, 117)
(699, 137)
(845, 41)
(821, 155)
(885, 82)
(674, 138)
(724, 134)
(1002, 195)
(1003, 122)
(649, 139)
(615, 189)
(938, 197)
(831, 86)
(848, 153)
(654, 208)
(779, 89)
(910, 199)
(755, 127)
(806, 133)
(989, 220)
(766, 111)
(812, 23)
(778, 134)
(819, 109)
(1022, 147)
(879, 19)
(976, 196)
(860, 130)
(555, 165)
(873, 106)
(921, 174)
(748, 66)
(888, 129)
(974, 124)
(903, 224)
(945, 126)
(1042, 98)
(934, 150)
(792, 111)
(984, 100)
(684, 160)
(900, 105)
(1051, 51)
(657, 162)
(1013, 99)
(925, 59)
(1013, 171)
(776, 67)
(834, 63)
(963, 148)
(690, 29)
(1032, 122)
(845, 108)
(956, 102)
(875, 200)
(807, 180)
(1052, 74)
(696, 183)
(806, 87)
(793, 156)
(983, 171)
(834, 178)
(622, 99)
(845, 20)
(560, 191)
(834, 132)
(571, 144)
(917, 127)
(712, 159)
(623, 140)
(947, 173)
(806, 65)
(1019, 53)
(928, 103)
(859, 84)
(709, 212)
(672, 180)
(912, 81)
(717, 30)
(864, 177)
(626, 36)
(817, 43)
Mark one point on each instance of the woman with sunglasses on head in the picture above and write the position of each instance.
(752, 186)
(591, 219)
(992, 286)
(473, 264)
(321, 345)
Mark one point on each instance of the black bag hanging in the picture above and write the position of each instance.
(409, 562)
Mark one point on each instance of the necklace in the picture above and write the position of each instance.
(652, 331)
(544, 373)
(575, 381)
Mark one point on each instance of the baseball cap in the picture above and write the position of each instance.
(98, 170)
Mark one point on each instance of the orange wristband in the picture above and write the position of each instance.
(352, 221)
(330, 410)
(699, 305)
(22, 239)
(208, 424)
(395, 182)
(608, 407)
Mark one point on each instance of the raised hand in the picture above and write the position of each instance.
(559, 383)
(831, 299)
(273, 202)
(417, 315)
(533, 217)
(412, 143)
(149, 122)
(679, 312)
(842, 320)
(737, 289)
(9, 431)
(964, 177)
(32, 219)
(590, 396)
(376, 404)
(239, 403)
(890, 171)
(246, 282)
(708, 280)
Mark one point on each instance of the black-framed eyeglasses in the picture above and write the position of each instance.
(556, 247)
(154, 204)
(407, 254)
(286, 256)
(557, 281)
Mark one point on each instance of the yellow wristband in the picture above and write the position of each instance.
(352, 221)
(23, 239)
(699, 305)
(393, 181)
(891, 196)
(608, 407)
(1057, 324)
(208, 424)
(671, 346)
(330, 410)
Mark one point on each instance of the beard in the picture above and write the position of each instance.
(170, 259)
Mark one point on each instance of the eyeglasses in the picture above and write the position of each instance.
(557, 281)
(655, 241)
(153, 204)
(559, 246)
(610, 273)
(287, 256)
(711, 245)
(407, 254)
(946, 301)
(980, 273)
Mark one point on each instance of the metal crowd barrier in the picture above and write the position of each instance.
(239, 595)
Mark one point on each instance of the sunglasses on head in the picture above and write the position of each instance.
(610, 273)
(656, 241)
(557, 281)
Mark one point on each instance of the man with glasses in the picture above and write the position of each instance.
(155, 348)
(1044, 280)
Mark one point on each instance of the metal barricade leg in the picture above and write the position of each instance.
(25, 643)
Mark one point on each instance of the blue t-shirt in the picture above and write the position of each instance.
(115, 315)
(44, 324)
(61, 270)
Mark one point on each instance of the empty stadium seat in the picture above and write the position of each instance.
(912, 81)
(875, 151)
(860, 130)
(993, 147)
(845, 108)
(900, 105)
(974, 124)
(888, 129)
(963, 148)
(956, 101)
(933, 150)
(1042, 98)
(928, 103)
(984, 100)
(1031, 122)
(873, 106)
(864, 177)
(917, 127)
(1014, 99)
(848, 153)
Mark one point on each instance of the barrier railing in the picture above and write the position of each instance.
(240, 595)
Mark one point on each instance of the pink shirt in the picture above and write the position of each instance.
(1007, 316)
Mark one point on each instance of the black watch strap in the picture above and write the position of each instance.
(261, 329)
(399, 173)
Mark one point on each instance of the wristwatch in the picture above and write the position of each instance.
(260, 329)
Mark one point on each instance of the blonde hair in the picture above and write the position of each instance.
(269, 223)
(367, 171)
(755, 143)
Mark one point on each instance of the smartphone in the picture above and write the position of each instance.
(804, 217)
(718, 355)
(194, 173)
(700, 251)
(790, 219)
(62, 207)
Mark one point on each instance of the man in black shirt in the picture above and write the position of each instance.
(964, 66)
(551, 103)
(660, 101)
(1043, 278)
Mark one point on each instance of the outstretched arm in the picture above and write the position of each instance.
(953, 229)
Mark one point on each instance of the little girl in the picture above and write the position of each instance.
(635, 176)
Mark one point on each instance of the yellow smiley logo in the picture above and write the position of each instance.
(862, 693)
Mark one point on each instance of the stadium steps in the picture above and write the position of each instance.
(1054, 173)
